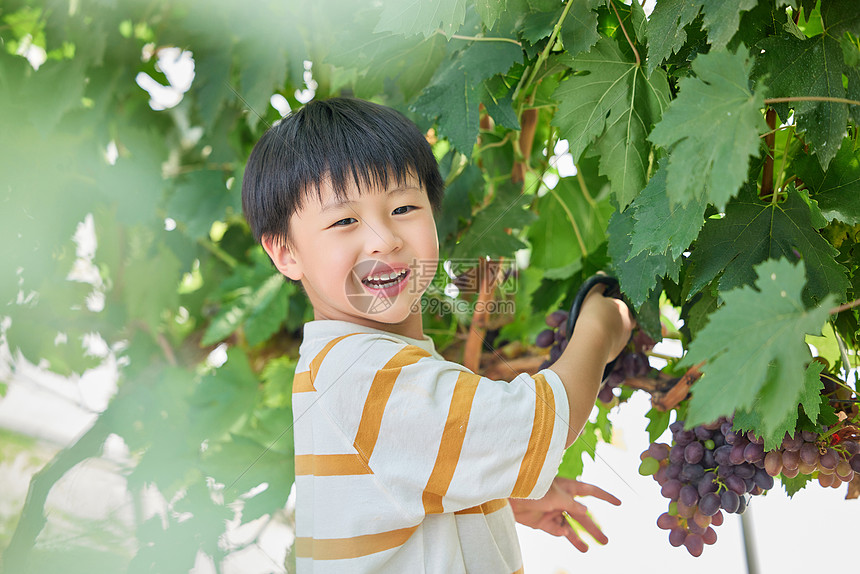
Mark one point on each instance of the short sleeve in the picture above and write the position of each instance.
(437, 437)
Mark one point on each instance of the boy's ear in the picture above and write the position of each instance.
(283, 257)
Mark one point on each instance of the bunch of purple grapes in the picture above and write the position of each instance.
(633, 361)
(836, 459)
(708, 469)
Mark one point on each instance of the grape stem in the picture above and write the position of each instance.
(626, 35)
(845, 307)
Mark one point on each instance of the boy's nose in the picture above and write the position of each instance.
(382, 239)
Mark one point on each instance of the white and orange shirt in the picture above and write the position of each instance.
(405, 461)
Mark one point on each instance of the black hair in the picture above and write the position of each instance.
(336, 141)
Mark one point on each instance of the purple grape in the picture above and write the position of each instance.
(790, 459)
(702, 433)
(676, 454)
(545, 338)
(726, 428)
(667, 522)
(763, 480)
(671, 489)
(556, 319)
(659, 450)
(744, 470)
(707, 484)
(792, 443)
(677, 536)
(729, 500)
(809, 454)
(751, 436)
(742, 505)
(708, 460)
(554, 354)
(693, 452)
(673, 471)
(829, 459)
(676, 427)
(753, 452)
(721, 454)
(689, 495)
(855, 463)
(694, 543)
(809, 436)
(691, 472)
(851, 447)
(605, 395)
(719, 440)
(736, 455)
(725, 470)
(736, 484)
(709, 504)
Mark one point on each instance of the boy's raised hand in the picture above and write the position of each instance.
(547, 513)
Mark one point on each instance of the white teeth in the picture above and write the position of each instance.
(386, 277)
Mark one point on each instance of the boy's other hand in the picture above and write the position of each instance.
(547, 513)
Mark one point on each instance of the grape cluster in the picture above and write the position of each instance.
(707, 470)
(633, 361)
(834, 454)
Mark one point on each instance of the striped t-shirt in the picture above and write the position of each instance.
(405, 461)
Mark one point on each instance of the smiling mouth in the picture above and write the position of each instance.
(385, 280)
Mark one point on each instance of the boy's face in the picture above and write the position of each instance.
(366, 260)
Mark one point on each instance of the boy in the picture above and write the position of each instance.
(404, 461)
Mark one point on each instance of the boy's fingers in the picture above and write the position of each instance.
(576, 488)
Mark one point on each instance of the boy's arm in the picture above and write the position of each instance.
(602, 330)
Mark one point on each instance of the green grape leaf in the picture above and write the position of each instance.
(586, 443)
(666, 34)
(381, 57)
(810, 395)
(722, 18)
(151, 283)
(638, 275)
(840, 16)
(794, 485)
(660, 224)
(616, 102)
(853, 93)
(455, 92)
(224, 397)
(836, 190)
(753, 231)
(487, 236)
(658, 422)
(490, 10)
(579, 30)
(771, 320)
(753, 420)
(790, 67)
(566, 218)
(253, 303)
(410, 17)
(263, 70)
(277, 378)
(712, 129)
(201, 197)
(498, 99)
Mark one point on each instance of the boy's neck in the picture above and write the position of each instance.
(412, 326)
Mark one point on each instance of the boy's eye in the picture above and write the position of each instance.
(343, 222)
(403, 209)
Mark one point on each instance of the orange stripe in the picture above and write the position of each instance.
(304, 382)
(451, 443)
(486, 508)
(520, 571)
(343, 548)
(330, 465)
(539, 440)
(377, 398)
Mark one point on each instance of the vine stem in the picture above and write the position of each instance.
(845, 307)
(572, 223)
(481, 38)
(626, 35)
(545, 52)
(811, 99)
(487, 275)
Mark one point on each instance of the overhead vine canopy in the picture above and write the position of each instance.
(717, 170)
